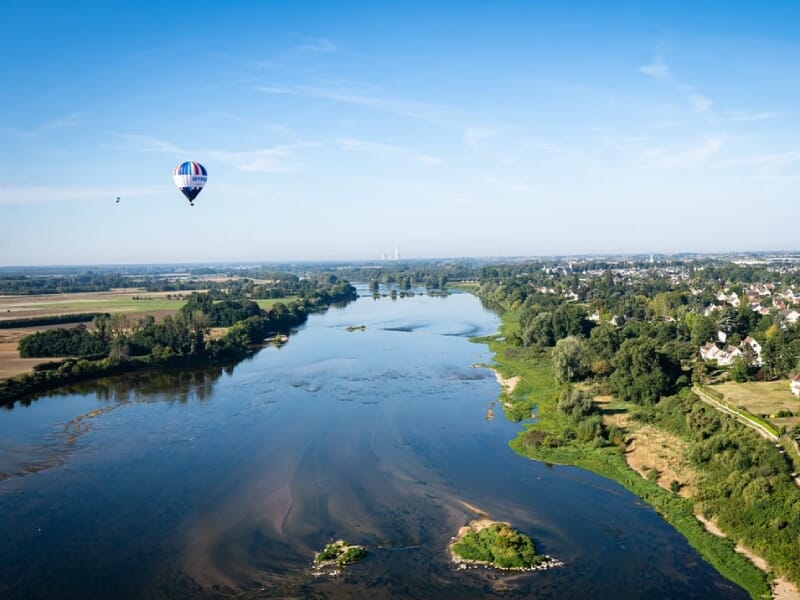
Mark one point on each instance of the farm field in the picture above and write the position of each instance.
(127, 300)
(267, 303)
(762, 398)
(134, 302)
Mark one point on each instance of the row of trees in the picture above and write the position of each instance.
(186, 333)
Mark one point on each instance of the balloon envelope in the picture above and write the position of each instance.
(190, 177)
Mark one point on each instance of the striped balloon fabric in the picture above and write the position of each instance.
(190, 177)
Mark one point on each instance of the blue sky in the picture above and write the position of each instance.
(332, 130)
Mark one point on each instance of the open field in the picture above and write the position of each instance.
(135, 302)
(114, 301)
(762, 398)
(267, 303)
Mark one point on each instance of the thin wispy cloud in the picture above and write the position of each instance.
(322, 45)
(692, 157)
(267, 160)
(657, 69)
(746, 117)
(764, 164)
(280, 158)
(421, 158)
(145, 143)
(65, 122)
(699, 102)
(473, 137)
(434, 115)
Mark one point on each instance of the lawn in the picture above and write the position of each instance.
(762, 398)
(267, 303)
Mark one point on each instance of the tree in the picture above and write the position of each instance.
(539, 331)
(603, 342)
(740, 370)
(568, 359)
(704, 329)
(570, 319)
(575, 403)
(779, 354)
(641, 373)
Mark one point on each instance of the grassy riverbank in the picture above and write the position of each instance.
(551, 440)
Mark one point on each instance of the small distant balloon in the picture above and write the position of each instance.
(190, 177)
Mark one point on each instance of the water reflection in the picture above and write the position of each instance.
(222, 482)
(23, 455)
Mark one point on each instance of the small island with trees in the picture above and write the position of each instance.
(495, 544)
(338, 555)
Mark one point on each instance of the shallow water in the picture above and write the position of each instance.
(223, 482)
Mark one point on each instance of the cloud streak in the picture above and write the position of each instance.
(474, 136)
(421, 111)
(322, 45)
(692, 157)
(28, 195)
(657, 69)
(352, 144)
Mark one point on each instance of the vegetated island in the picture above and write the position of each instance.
(337, 555)
(495, 544)
(352, 328)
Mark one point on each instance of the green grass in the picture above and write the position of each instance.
(762, 398)
(111, 305)
(498, 545)
(717, 395)
(467, 286)
(341, 552)
(539, 387)
(267, 303)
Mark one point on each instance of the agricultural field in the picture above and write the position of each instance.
(763, 398)
(126, 300)
(267, 303)
(134, 302)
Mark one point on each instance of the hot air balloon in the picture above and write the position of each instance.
(190, 177)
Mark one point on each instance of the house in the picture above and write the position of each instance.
(754, 346)
(794, 385)
(791, 316)
(723, 357)
(709, 351)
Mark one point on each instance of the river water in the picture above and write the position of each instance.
(222, 483)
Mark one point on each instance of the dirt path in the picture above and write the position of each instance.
(743, 420)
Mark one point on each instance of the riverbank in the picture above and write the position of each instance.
(664, 458)
(70, 370)
(544, 441)
(782, 588)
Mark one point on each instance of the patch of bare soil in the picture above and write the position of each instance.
(10, 362)
(507, 383)
(650, 448)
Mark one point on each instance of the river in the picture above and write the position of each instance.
(221, 483)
